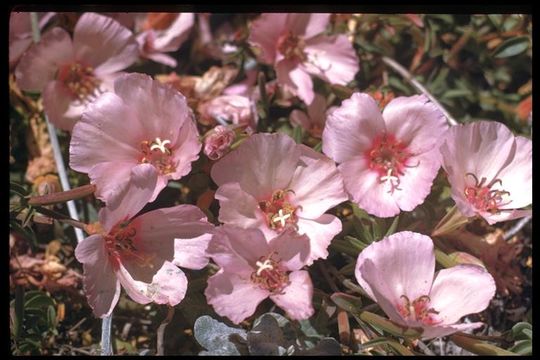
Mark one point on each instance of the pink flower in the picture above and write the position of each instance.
(489, 169)
(253, 269)
(388, 162)
(71, 73)
(142, 253)
(164, 32)
(20, 33)
(314, 120)
(141, 122)
(218, 142)
(294, 43)
(272, 184)
(236, 109)
(398, 273)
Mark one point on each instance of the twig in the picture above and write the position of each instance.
(408, 76)
(63, 196)
(106, 348)
(161, 331)
(518, 226)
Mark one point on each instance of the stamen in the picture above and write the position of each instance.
(279, 211)
(270, 275)
(158, 153)
(483, 198)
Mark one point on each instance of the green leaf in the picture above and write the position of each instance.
(318, 147)
(298, 134)
(388, 326)
(349, 303)
(477, 346)
(393, 227)
(37, 300)
(512, 47)
(18, 189)
(522, 331)
(523, 347)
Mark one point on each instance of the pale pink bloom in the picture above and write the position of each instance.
(253, 269)
(70, 73)
(388, 162)
(218, 142)
(295, 45)
(141, 122)
(314, 120)
(163, 32)
(142, 253)
(235, 109)
(20, 33)
(489, 169)
(272, 183)
(398, 273)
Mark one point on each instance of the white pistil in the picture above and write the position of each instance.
(391, 178)
(282, 218)
(160, 145)
(266, 265)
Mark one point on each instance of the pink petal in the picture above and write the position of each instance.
(100, 285)
(431, 332)
(299, 118)
(61, 109)
(157, 109)
(17, 49)
(233, 296)
(168, 285)
(292, 249)
(297, 297)
(131, 198)
(317, 188)
(161, 58)
(332, 58)
(179, 234)
(236, 249)
(517, 176)
(262, 164)
(366, 190)
(171, 38)
(264, 33)
(111, 140)
(380, 288)
(415, 121)
(237, 207)
(505, 215)
(404, 260)
(320, 231)
(294, 77)
(461, 290)
(482, 148)
(102, 43)
(307, 25)
(351, 128)
(110, 178)
(39, 64)
(187, 147)
(416, 182)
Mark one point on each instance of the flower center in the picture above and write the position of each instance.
(120, 246)
(159, 21)
(389, 157)
(279, 212)
(158, 153)
(79, 80)
(291, 46)
(270, 275)
(418, 310)
(483, 198)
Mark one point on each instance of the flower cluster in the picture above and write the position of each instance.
(279, 200)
